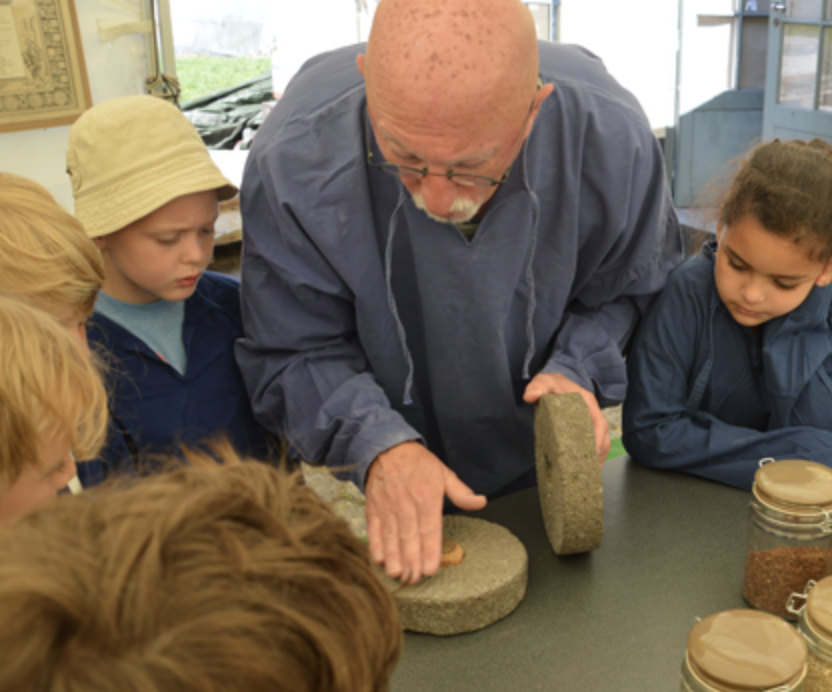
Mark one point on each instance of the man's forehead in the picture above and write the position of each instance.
(460, 98)
(441, 140)
(466, 157)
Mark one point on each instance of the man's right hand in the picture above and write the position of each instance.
(405, 488)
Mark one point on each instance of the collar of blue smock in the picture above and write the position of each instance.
(517, 183)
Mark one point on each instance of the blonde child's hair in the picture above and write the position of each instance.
(48, 388)
(786, 187)
(206, 578)
(46, 258)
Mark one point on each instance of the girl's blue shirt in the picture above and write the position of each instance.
(703, 398)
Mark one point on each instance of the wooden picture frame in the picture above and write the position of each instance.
(43, 77)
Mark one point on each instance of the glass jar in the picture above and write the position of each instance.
(815, 624)
(742, 650)
(790, 532)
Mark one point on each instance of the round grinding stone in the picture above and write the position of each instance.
(568, 474)
(484, 587)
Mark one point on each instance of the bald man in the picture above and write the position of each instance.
(439, 229)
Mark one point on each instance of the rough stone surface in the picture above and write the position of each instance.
(486, 586)
(343, 497)
(568, 474)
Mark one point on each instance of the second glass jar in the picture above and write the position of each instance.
(790, 532)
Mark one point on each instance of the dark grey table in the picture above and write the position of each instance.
(614, 620)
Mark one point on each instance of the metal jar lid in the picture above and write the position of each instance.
(794, 487)
(746, 649)
(818, 613)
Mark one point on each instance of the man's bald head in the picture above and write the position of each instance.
(454, 59)
(452, 88)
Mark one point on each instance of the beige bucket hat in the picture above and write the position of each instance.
(131, 155)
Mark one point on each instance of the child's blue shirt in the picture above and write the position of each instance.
(158, 324)
(704, 399)
(153, 407)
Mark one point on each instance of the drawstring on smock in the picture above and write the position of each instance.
(532, 304)
(528, 275)
(391, 299)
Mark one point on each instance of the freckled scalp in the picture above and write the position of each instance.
(454, 55)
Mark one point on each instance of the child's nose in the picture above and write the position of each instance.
(753, 290)
(194, 250)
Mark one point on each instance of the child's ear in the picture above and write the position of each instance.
(718, 231)
(826, 275)
(100, 242)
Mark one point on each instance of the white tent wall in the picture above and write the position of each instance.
(115, 68)
(304, 29)
(708, 59)
(637, 43)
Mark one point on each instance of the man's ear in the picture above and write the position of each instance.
(359, 63)
(826, 275)
(539, 97)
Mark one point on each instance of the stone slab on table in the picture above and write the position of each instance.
(613, 620)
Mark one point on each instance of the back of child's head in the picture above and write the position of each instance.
(48, 390)
(207, 578)
(129, 156)
(786, 187)
(46, 258)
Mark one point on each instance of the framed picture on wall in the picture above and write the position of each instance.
(43, 79)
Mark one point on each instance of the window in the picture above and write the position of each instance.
(545, 13)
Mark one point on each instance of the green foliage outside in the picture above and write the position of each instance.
(201, 75)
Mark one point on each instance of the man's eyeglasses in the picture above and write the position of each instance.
(413, 173)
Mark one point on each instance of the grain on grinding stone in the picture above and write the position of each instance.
(452, 553)
(485, 587)
(568, 474)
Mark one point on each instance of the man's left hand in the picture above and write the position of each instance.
(555, 383)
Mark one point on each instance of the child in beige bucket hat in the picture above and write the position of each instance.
(130, 156)
(147, 192)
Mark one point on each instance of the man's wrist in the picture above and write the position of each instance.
(384, 452)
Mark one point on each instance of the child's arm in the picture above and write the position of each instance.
(662, 431)
(700, 444)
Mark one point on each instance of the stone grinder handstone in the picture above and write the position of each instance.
(568, 474)
(482, 579)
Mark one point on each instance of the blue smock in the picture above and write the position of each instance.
(153, 407)
(705, 399)
(368, 324)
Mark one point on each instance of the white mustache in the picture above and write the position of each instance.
(462, 209)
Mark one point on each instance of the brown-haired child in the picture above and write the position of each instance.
(207, 578)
